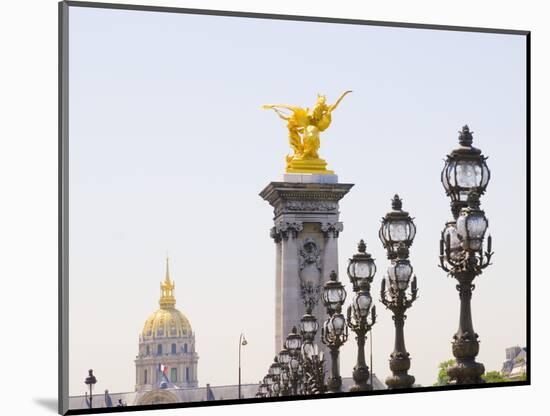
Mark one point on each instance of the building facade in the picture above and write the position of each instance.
(515, 366)
(166, 356)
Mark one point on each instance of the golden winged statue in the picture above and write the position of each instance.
(304, 128)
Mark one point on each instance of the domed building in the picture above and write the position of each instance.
(167, 357)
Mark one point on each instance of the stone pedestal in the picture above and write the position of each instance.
(306, 229)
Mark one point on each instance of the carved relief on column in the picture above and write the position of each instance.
(310, 272)
(332, 229)
(284, 230)
(292, 206)
(275, 235)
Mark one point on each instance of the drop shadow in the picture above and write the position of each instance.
(47, 403)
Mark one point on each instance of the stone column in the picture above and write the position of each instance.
(331, 231)
(305, 232)
(290, 304)
(276, 235)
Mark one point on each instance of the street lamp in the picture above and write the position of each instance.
(358, 322)
(275, 368)
(361, 266)
(361, 271)
(308, 327)
(90, 381)
(314, 368)
(397, 300)
(334, 332)
(313, 362)
(334, 294)
(293, 344)
(274, 373)
(397, 229)
(465, 170)
(263, 389)
(242, 342)
(465, 177)
(462, 257)
(284, 360)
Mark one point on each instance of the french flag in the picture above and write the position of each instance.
(163, 369)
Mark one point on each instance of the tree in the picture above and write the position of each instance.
(442, 377)
(489, 377)
(494, 377)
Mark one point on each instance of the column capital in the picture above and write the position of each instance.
(331, 229)
(285, 229)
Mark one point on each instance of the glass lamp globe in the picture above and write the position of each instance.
(284, 356)
(361, 266)
(309, 350)
(397, 228)
(275, 368)
(336, 324)
(334, 294)
(465, 170)
(400, 273)
(472, 224)
(450, 233)
(471, 227)
(308, 326)
(293, 341)
(361, 304)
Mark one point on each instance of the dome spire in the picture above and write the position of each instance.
(167, 299)
(167, 278)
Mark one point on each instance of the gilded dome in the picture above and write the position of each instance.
(166, 321)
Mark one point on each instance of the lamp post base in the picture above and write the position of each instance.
(466, 370)
(361, 377)
(334, 384)
(400, 381)
(399, 365)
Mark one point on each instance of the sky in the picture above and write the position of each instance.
(169, 149)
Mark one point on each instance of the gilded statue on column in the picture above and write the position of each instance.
(304, 128)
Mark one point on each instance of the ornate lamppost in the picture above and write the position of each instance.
(313, 362)
(242, 342)
(465, 177)
(361, 271)
(263, 389)
(275, 373)
(397, 233)
(334, 332)
(293, 345)
(313, 369)
(284, 360)
(268, 381)
(90, 381)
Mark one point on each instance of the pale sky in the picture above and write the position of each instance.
(169, 149)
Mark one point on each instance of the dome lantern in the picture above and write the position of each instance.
(167, 299)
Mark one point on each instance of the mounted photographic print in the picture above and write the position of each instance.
(260, 208)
